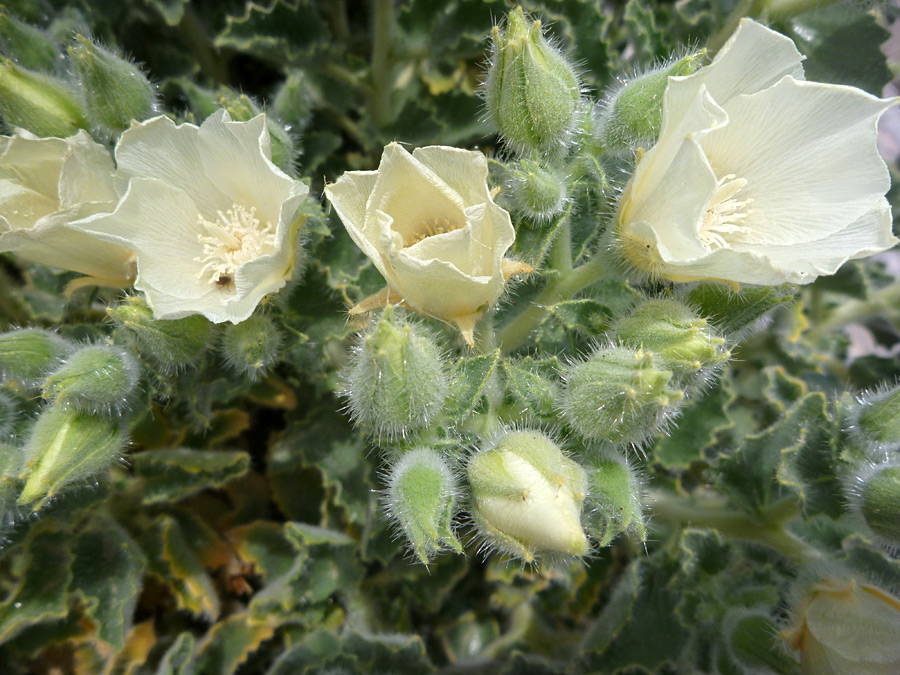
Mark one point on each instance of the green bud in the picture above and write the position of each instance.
(874, 495)
(171, 343)
(619, 395)
(251, 347)
(395, 380)
(538, 192)
(876, 419)
(203, 102)
(293, 101)
(673, 331)
(531, 90)
(421, 498)
(65, 447)
(634, 113)
(40, 103)
(30, 353)
(242, 108)
(115, 90)
(527, 497)
(29, 46)
(96, 378)
(614, 498)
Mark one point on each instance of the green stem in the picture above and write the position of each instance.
(779, 10)
(383, 31)
(715, 513)
(516, 333)
(561, 251)
(884, 301)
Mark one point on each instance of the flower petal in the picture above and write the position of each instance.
(349, 195)
(465, 171)
(35, 162)
(86, 175)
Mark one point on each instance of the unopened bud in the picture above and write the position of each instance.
(614, 498)
(95, 378)
(846, 625)
(115, 90)
(531, 91)
(619, 395)
(293, 101)
(171, 343)
(40, 103)
(30, 353)
(874, 495)
(65, 447)
(673, 331)
(527, 497)
(634, 113)
(29, 46)
(421, 498)
(395, 381)
(252, 347)
(875, 420)
(538, 192)
(242, 108)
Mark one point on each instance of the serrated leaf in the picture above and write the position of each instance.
(170, 475)
(813, 471)
(131, 657)
(751, 473)
(470, 377)
(41, 595)
(171, 10)
(177, 659)
(229, 643)
(534, 384)
(585, 315)
(704, 551)
(264, 545)
(782, 390)
(736, 311)
(176, 565)
(695, 430)
(649, 41)
(533, 243)
(106, 574)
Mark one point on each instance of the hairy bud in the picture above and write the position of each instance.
(527, 497)
(531, 90)
(538, 192)
(876, 419)
(619, 395)
(421, 498)
(64, 447)
(30, 46)
(395, 380)
(95, 378)
(874, 495)
(614, 498)
(29, 353)
(251, 347)
(40, 103)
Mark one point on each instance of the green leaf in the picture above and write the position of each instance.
(470, 376)
(534, 384)
(649, 41)
(107, 574)
(736, 311)
(752, 474)
(842, 44)
(585, 315)
(177, 659)
(695, 431)
(41, 594)
(171, 10)
(229, 643)
(170, 475)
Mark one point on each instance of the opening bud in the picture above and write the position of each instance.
(242, 108)
(634, 112)
(844, 625)
(64, 447)
(395, 380)
(96, 379)
(876, 418)
(538, 192)
(171, 343)
(115, 90)
(619, 395)
(40, 103)
(421, 498)
(251, 347)
(527, 497)
(31, 47)
(30, 353)
(614, 498)
(673, 331)
(874, 495)
(531, 90)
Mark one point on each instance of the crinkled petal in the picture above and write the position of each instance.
(21, 207)
(465, 171)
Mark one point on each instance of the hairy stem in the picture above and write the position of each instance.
(383, 31)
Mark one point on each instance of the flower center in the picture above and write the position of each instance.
(233, 238)
(430, 228)
(725, 215)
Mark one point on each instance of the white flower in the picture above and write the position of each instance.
(46, 183)
(211, 218)
(426, 220)
(758, 176)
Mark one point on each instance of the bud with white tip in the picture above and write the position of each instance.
(421, 498)
(95, 379)
(527, 497)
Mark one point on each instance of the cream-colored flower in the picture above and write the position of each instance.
(211, 218)
(427, 221)
(757, 176)
(45, 183)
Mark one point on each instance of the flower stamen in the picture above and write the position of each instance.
(430, 228)
(233, 238)
(725, 215)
